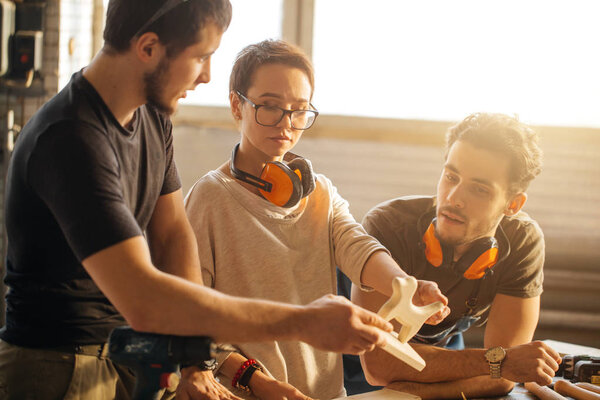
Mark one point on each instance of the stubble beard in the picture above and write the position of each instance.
(154, 84)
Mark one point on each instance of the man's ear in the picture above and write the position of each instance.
(515, 203)
(236, 106)
(148, 48)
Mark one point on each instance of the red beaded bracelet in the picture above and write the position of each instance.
(241, 370)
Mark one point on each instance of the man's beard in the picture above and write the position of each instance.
(482, 230)
(154, 87)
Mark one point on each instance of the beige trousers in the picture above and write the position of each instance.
(40, 374)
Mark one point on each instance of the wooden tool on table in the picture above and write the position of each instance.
(543, 392)
(400, 307)
(576, 392)
(589, 386)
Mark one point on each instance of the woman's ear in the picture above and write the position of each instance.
(515, 203)
(236, 106)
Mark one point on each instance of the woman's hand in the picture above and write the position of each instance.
(196, 384)
(267, 388)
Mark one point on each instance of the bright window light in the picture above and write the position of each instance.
(441, 60)
(252, 22)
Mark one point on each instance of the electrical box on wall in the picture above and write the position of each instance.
(21, 44)
(27, 52)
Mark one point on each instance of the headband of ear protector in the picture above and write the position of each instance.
(481, 256)
(282, 183)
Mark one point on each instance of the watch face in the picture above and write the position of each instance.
(495, 354)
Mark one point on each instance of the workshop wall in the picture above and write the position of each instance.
(563, 199)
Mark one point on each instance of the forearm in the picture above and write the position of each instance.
(176, 252)
(171, 239)
(232, 363)
(481, 386)
(379, 272)
(381, 368)
(176, 306)
(154, 301)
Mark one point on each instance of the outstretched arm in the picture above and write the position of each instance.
(150, 300)
(529, 362)
(381, 269)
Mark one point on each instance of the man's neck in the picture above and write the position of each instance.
(460, 250)
(118, 82)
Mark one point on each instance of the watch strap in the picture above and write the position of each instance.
(495, 370)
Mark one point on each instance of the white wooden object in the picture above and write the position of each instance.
(400, 307)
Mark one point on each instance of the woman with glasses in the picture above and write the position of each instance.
(268, 227)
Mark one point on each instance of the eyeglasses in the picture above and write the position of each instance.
(167, 6)
(271, 115)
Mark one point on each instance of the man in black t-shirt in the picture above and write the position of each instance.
(485, 254)
(97, 232)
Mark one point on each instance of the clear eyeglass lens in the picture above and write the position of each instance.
(301, 119)
(269, 115)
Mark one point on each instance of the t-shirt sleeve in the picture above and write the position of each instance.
(74, 171)
(522, 272)
(172, 182)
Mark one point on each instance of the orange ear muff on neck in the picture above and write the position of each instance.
(286, 184)
(433, 247)
(303, 168)
(282, 184)
(474, 264)
(484, 262)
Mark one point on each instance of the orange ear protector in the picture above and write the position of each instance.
(474, 264)
(283, 184)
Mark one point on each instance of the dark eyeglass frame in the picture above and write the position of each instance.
(284, 112)
(165, 8)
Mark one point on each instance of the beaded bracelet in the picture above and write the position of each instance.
(241, 370)
(244, 382)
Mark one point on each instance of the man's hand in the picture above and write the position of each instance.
(267, 388)
(531, 362)
(335, 324)
(427, 293)
(196, 384)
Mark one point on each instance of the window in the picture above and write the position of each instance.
(432, 59)
(441, 60)
(252, 22)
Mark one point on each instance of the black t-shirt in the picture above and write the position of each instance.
(399, 225)
(78, 182)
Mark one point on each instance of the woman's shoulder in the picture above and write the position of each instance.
(209, 185)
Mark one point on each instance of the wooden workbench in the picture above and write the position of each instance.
(518, 393)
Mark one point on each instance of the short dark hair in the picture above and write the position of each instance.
(505, 135)
(177, 29)
(267, 52)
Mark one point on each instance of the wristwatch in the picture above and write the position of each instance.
(494, 357)
(206, 365)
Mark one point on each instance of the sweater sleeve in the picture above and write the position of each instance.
(196, 210)
(351, 244)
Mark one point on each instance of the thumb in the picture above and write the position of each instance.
(370, 318)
